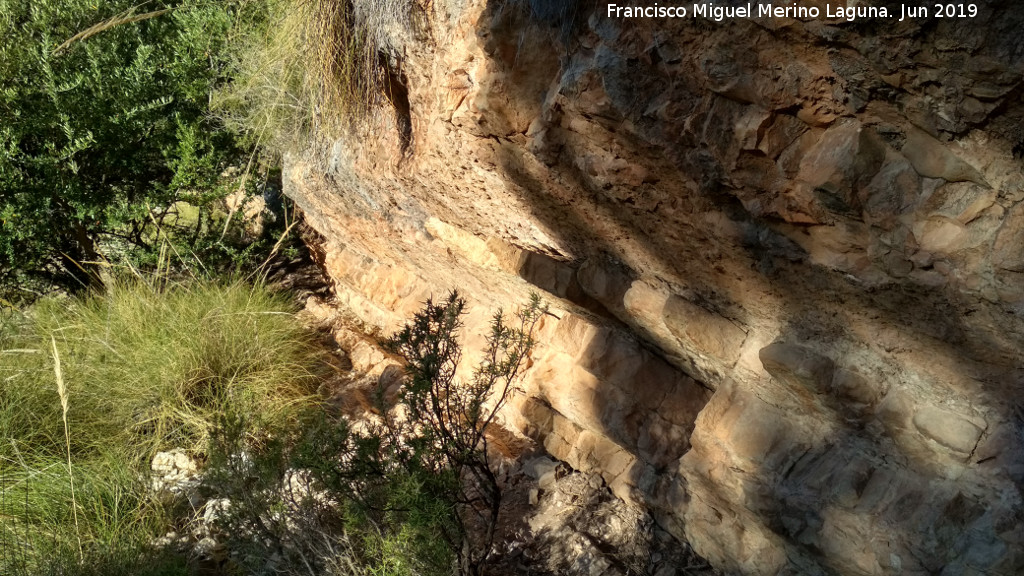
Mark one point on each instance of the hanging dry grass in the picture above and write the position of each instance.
(337, 59)
(345, 66)
(314, 71)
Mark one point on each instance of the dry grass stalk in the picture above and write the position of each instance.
(126, 17)
(338, 59)
(62, 391)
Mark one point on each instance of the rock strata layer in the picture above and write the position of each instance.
(786, 263)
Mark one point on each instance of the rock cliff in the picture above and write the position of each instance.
(786, 262)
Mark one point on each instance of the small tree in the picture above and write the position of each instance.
(443, 433)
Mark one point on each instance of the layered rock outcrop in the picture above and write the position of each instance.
(786, 260)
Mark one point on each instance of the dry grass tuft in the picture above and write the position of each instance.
(314, 71)
(143, 367)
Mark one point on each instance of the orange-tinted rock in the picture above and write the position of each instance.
(930, 158)
(704, 331)
(820, 222)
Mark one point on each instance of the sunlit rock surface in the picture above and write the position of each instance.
(786, 263)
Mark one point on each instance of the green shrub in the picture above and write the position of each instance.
(100, 133)
(441, 441)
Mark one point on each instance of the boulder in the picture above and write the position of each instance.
(949, 429)
(932, 159)
(703, 331)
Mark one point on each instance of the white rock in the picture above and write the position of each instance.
(215, 509)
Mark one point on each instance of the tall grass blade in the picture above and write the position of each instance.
(62, 391)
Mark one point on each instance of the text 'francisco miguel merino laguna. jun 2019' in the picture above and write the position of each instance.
(713, 11)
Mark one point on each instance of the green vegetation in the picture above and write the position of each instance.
(104, 126)
(93, 387)
(129, 136)
(114, 117)
(441, 439)
(409, 493)
(103, 383)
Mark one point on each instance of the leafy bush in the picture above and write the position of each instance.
(104, 122)
(91, 388)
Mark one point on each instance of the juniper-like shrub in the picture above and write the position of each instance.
(412, 491)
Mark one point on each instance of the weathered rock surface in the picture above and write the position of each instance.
(786, 261)
(567, 522)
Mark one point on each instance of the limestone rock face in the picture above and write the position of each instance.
(786, 263)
